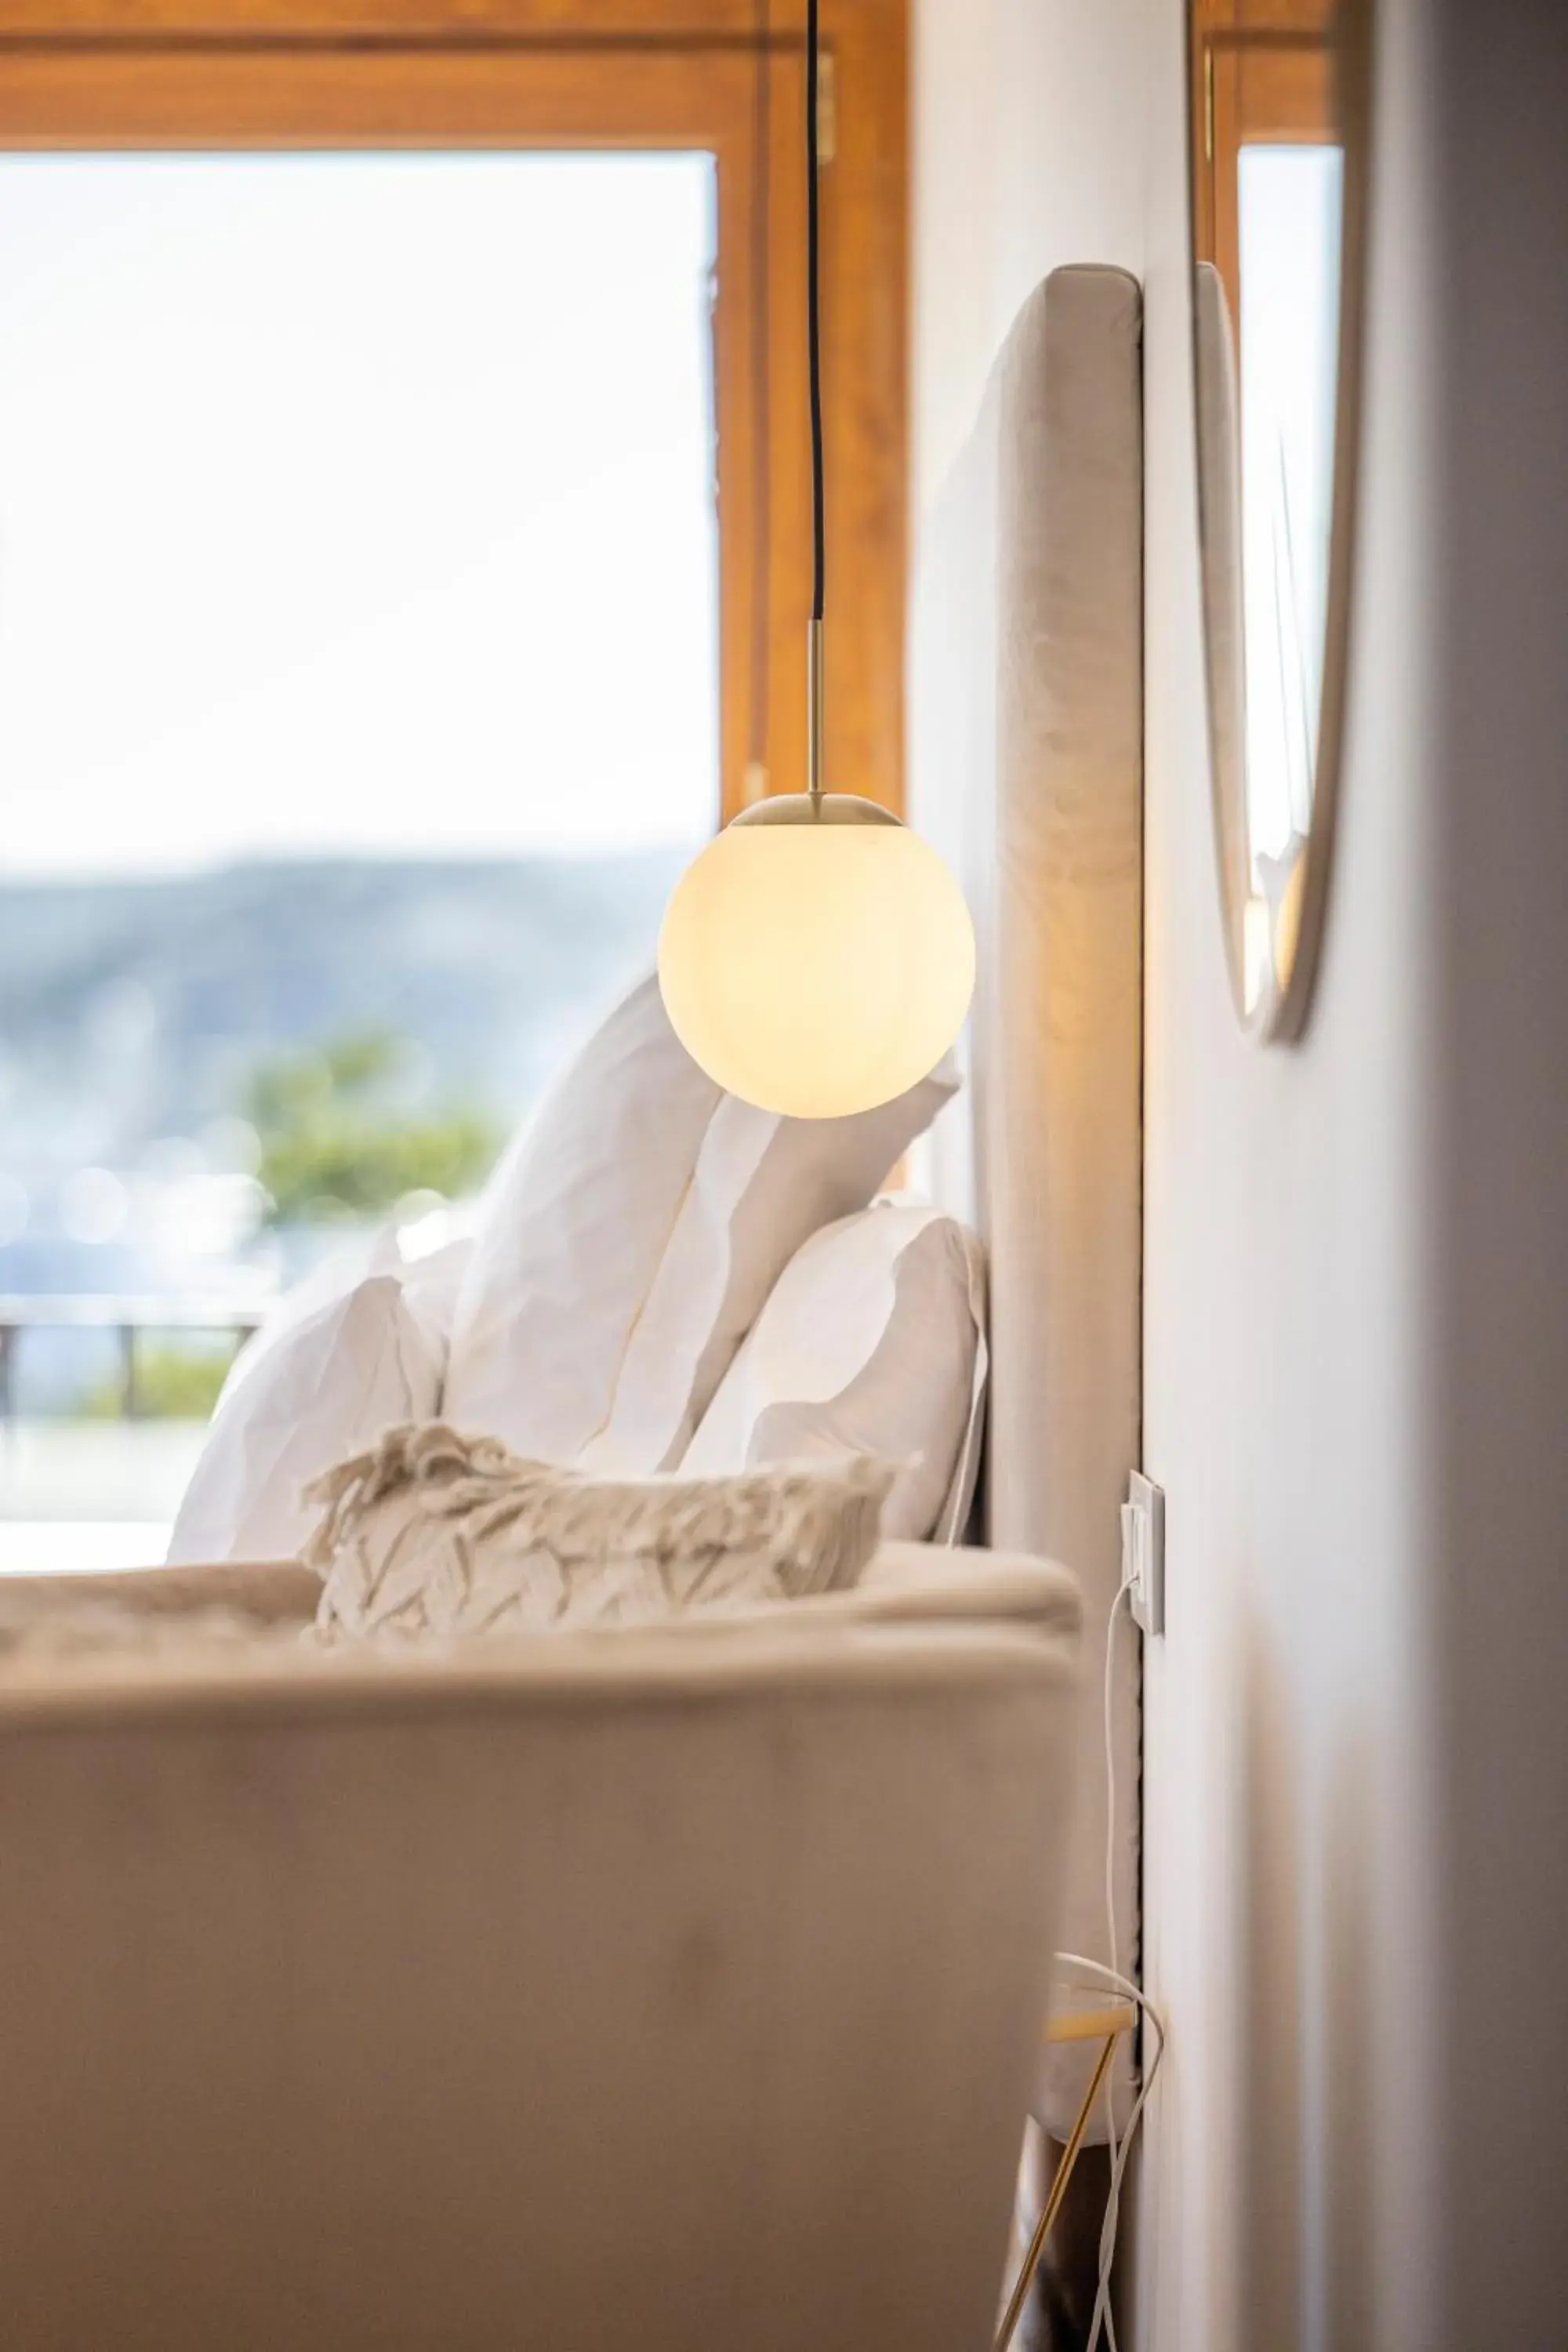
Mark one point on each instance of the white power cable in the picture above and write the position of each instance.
(1123, 1591)
(1108, 1726)
(1076, 1963)
(1113, 1976)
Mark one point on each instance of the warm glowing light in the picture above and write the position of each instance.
(817, 960)
(816, 968)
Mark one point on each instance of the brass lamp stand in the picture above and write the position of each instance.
(1106, 2026)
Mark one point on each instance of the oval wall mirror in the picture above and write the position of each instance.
(1279, 137)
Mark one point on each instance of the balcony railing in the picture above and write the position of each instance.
(128, 1318)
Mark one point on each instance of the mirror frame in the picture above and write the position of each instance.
(1281, 1013)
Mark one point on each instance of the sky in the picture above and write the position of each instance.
(354, 504)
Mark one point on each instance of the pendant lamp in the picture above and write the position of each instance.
(817, 958)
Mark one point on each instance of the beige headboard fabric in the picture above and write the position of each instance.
(1029, 708)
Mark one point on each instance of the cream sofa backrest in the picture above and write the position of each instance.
(677, 1990)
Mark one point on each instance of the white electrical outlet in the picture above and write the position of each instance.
(1143, 1550)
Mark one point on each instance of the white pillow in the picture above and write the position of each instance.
(341, 1361)
(630, 1236)
(872, 1342)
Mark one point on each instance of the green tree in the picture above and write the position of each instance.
(338, 1142)
(172, 1383)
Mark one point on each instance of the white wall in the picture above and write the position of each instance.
(1286, 1237)
(1356, 1311)
(1028, 143)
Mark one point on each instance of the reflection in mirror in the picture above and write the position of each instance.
(1277, 166)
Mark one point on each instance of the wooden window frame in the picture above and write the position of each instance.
(333, 74)
(1262, 74)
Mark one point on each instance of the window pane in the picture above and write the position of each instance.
(358, 702)
(1289, 201)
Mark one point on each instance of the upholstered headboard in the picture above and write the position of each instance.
(1028, 710)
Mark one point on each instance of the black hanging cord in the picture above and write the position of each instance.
(813, 321)
(762, 420)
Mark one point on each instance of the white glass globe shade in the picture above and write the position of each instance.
(817, 967)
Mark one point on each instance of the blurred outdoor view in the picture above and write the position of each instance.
(358, 705)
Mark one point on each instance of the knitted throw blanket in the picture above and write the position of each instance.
(433, 1532)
